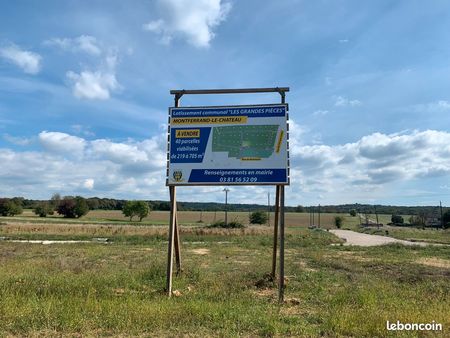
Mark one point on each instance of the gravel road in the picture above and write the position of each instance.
(357, 238)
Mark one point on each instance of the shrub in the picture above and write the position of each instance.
(397, 219)
(230, 225)
(258, 217)
(417, 220)
(43, 209)
(9, 208)
(338, 220)
(352, 212)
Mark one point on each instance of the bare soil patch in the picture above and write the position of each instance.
(435, 262)
(200, 251)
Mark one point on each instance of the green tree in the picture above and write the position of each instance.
(446, 219)
(54, 201)
(258, 217)
(136, 208)
(81, 207)
(142, 209)
(43, 209)
(66, 207)
(9, 208)
(93, 203)
(299, 208)
(397, 219)
(418, 220)
(352, 212)
(71, 207)
(128, 209)
(338, 220)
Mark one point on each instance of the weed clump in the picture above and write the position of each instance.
(229, 225)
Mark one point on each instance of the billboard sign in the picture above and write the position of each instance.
(233, 145)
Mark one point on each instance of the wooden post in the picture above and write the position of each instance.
(318, 215)
(281, 283)
(177, 231)
(173, 217)
(177, 244)
(174, 233)
(275, 231)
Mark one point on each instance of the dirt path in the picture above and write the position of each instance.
(357, 238)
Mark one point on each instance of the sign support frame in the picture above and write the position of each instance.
(174, 233)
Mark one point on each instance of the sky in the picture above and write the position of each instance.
(84, 94)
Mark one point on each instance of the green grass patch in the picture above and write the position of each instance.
(117, 289)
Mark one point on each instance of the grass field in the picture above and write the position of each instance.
(113, 218)
(162, 218)
(117, 288)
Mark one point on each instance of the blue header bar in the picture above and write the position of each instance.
(249, 111)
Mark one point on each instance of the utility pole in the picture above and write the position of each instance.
(226, 205)
(312, 216)
(442, 220)
(319, 216)
(376, 214)
(268, 208)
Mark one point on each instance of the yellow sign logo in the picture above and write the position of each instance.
(177, 175)
(187, 133)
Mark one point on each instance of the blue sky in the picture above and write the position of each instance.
(84, 91)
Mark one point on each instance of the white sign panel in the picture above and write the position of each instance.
(228, 145)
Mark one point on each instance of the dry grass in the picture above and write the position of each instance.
(435, 262)
(97, 230)
(116, 290)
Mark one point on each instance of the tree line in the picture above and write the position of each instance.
(95, 203)
(69, 207)
(77, 206)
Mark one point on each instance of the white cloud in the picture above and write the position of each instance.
(30, 62)
(88, 183)
(92, 85)
(82, 130)
(344, 102)
(439, 106)
(372, 162)
(192, 20)
(320, 112)
(135, 169)
(20, 141)
(344, 40)
(84, 43)
(296, 133)
(62, 143)
(95, 85)
(129, 169)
